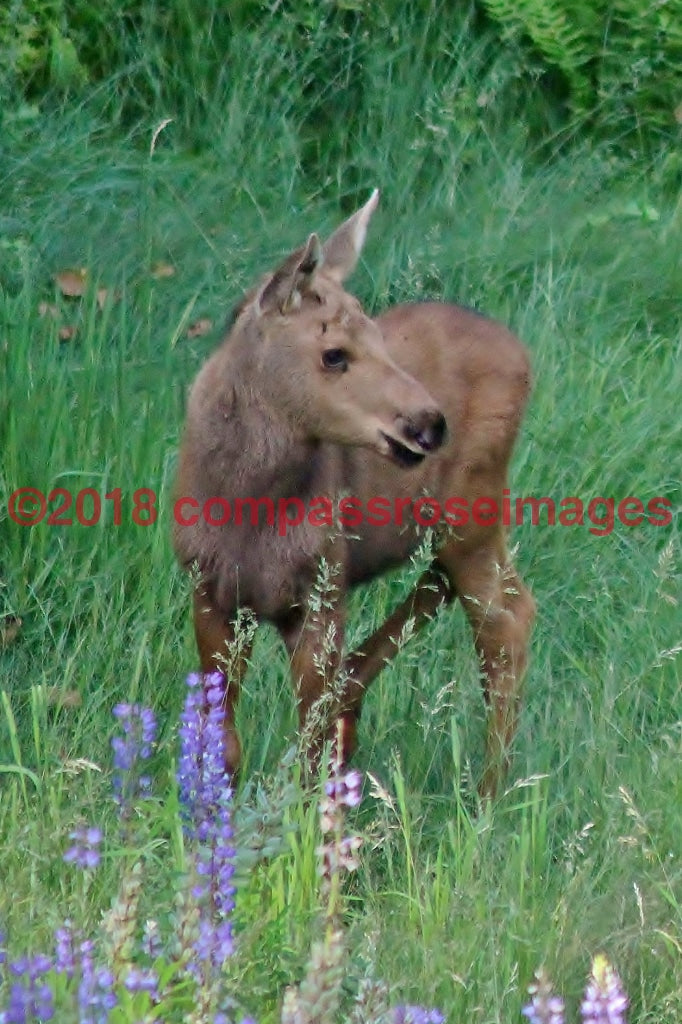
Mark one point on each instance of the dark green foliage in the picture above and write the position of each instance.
(621, 59)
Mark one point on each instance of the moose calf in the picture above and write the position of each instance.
(310, 405)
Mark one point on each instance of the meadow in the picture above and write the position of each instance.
(571, 237)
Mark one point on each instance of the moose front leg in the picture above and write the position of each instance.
(365, 663)
(329, 691)
(314, 640)
(222, 650)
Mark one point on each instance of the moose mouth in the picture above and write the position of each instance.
(401, 454)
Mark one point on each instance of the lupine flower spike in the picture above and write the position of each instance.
(205, 796)
(317, 997)
(131, 750)
(338, 853)
(65, 950)
(84, 851)
(30, 997)
(95, 990)
(544, 1007)
(605, 1001)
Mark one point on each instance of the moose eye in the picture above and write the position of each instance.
(335, 359)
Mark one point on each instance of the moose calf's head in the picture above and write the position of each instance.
(323, 363)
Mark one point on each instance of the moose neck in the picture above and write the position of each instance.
(274, 458)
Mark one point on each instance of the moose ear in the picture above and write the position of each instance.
(342, 249)
(283, 290)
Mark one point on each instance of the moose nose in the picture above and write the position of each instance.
(428, 430)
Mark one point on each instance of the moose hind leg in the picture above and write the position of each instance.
(500, 610)
(221, 650)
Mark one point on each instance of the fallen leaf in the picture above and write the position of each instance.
(677, 113)
(200, 327)
(102, 295)
(9, 629)
(48, 309)
(72, 283)
(160, 270)
(66, 333)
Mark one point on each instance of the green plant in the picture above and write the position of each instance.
(621, 61)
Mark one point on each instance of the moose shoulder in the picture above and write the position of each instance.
(310, 404)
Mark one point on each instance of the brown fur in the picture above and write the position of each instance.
(266, 418)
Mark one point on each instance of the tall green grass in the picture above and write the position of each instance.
(579, 251)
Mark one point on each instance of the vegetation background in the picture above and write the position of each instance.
(529, 159)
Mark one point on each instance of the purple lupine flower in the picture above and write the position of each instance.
(205, 796)
(345, 789)
(131, 750)
(201, 769)
(85, 850)
(340, 791)
(32, 967)
(30, 997)
(96, 997)
(544, 1007)
(140, 979)
(95, 985)
(605, 1001)
(65, 950)
(339, 852)
(416, 1015)
(27, 1003)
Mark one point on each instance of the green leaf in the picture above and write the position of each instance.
(66, 70)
